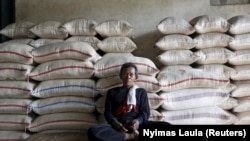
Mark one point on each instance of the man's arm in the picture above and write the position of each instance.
(144, 110)
(110, 117)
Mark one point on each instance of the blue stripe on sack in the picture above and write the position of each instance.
(199, 115)
(35, 92)
(64, 102)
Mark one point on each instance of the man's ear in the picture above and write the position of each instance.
(136, 76)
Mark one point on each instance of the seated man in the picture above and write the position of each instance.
(126, 108)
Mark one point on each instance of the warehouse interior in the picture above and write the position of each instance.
(206, 64)
(142, 15)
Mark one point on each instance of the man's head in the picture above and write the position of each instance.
(128, 74)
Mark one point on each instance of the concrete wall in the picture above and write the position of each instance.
(144, 15)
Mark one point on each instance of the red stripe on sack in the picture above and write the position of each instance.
(68, 67)
(156, 99)
(5, 87)
(13, 69)
(62, 51)
(118, 66)
(156, 116)
(148, 82)
(146, 65)
(57, 121)
(12, 105)
(198, 78)
(15, 54)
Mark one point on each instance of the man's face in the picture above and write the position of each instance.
(128, 76)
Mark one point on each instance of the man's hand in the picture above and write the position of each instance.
(118, 126)
(135, 124)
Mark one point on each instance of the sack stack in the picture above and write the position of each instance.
(16, 64)
(240, 31)
(54, 76)
(192, 95)
(65, 95)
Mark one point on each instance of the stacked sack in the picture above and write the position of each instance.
(47, 32)
(240, 31)
(118, 46)
(82, 30)
(16, 63)
(213, 51)
(19, 32)
(192, 95)
(65, 95)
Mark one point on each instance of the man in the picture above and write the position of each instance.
(126, 108)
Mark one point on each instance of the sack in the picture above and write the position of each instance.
(117, 45)
(210, 23)
(110, 64)
(243, 118)
(63, 121)
(213, 55)
(16, 89)
(78, 27)
(239, 24)
(187, 98)
(114, 28)
(62, 69)
(211, 40)
(49, 30)
(63, 104)
(65, 50)
(18, 30)
(16, 53)
(92, 40)
(43, 42)
(20, 41)
(14, 135)
(15, 71)
(243, 106)
(242, 89)
(65, 87)
(15, 106)
(175, 41)
(229, 104)
(155, 116)
(241, 57)
(211, 115)
(174, 25)
(177, 57)
(219, 69)
(242, 73)
(191, 78)
(14, 122)
(240, 42)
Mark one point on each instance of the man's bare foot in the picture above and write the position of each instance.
(134, 136)
(136, 132)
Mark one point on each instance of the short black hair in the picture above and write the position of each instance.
(128, 65)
